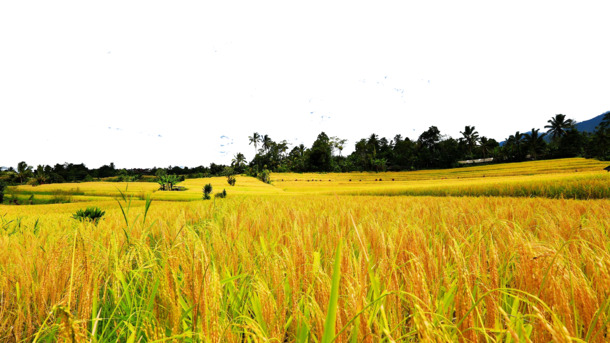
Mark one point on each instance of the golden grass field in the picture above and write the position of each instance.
(311, 261)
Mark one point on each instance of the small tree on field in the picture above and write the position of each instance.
(207, 190)
(229, 172)
(167, 182)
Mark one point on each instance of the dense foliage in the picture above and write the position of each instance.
(431, 150)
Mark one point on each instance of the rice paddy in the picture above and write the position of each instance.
(499, 253)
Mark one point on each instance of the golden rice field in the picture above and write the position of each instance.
(317, 261)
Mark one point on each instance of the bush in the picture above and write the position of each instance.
(264, 176)
(231, 180)
(2, 188)
(222, 194)
(92, 214)
(207, 190)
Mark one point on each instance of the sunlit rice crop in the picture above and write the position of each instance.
(320, 260)
(253, 268)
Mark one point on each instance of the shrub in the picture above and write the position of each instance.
(92, 214)
(222, 194)
(2, 187)
(264, 176)
(207, 190)
(231, 180)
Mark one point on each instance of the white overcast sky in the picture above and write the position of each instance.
(158, 83)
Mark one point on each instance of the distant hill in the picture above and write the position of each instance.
(589, 125)
(584, 126)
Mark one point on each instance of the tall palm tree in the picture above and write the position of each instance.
(487, 145)
(23, 171)
(283, 147)
(514, 143)
(267, 142)
(40, 175)
(558, 126)
(238, 160)
(471, 137)
(534, 142)
(254, 139)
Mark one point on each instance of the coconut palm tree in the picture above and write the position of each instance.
(282, 148)
(267, 142)
(558, 126)
(514, 144)
(534, 142)
(40, 175)
(254, 139)
(238, 162)
(471, 137)
(23, 171)
(487, 145)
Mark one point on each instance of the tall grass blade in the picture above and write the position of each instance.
(331, 316)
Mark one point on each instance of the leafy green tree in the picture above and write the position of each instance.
(337, 144)
(207, 190)
(487, 145)
(514, 146)
(40, 175)
(380, 164)
(448, 153)
(296, 158)
(534, 142)
(572, 144)
(320, 156)
(405, 153)
(361, 156)
(428, 149)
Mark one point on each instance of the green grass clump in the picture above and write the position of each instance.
(92, 214)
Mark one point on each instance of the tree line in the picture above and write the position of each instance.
(70, 172)
(431, 150)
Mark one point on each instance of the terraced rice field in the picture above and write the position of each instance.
(516, 252)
